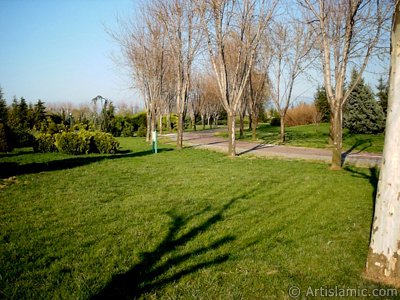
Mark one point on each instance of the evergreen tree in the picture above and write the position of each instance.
(3, 108)
(39, 114)
(383, 92)
(322, 104)
(23, 111)
(6, 140)
(362, 114)
(13, 114)
(18, 123)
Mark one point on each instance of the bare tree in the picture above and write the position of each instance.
(290, 46)
(143, 46)
(257, 95)
(348, 32)
(233, 30)
(181, 23)
(210, 102)
(383, 262)
(194, 100)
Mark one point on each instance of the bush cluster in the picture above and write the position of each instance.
(81, 142)
(44, 142)
(303, 114)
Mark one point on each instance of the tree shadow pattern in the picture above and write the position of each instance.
(9, 169)
(373, 178)
(149, 274)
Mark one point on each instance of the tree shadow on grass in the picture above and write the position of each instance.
(373, 178)
(9, 169)
(16, 153)
(152, 273)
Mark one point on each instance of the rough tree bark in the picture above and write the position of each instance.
(383, 262)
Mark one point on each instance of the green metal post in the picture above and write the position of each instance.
(154, 138)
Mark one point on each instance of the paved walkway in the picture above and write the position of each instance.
(207, 140)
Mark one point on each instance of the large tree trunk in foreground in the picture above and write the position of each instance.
(383, 262)
(337, 132)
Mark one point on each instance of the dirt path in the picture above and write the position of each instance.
(207, 140)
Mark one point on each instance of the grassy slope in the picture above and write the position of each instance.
(316, 136)
(187, 224)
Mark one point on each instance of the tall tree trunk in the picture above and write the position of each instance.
(169, 122)
(383, 262)
(148, 126)
(153, 122)
(330, 137)
(282, 135)
(254, 128)
(250, 122)
(194, 123)
(203, 122)
(337, 133)
(231, 135)
(161, 124)
(179, 138)
(241, 120)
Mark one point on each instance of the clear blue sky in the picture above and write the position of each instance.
(58, 50)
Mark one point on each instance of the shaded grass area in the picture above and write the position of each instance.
(316, 136)
(187, 224)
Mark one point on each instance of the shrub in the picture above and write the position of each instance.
(6, 142)
(275, 117)
(138, 120)
(44, 142)
(22, 137)
(141, 131)
(105, 143)
(302, 114)
(275, 121)
(85, 142)
(128, 130)
(72, 143)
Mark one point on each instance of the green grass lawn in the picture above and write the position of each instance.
(187, 224)
(316, 136)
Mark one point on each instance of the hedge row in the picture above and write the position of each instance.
(81, 142)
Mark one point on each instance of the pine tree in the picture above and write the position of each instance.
(383, 92)
(18, 123)
(39, 114)
(362, 114)
(3, 108)
(321, 102)
(6, 140)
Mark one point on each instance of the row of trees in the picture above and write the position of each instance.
(245, 52)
